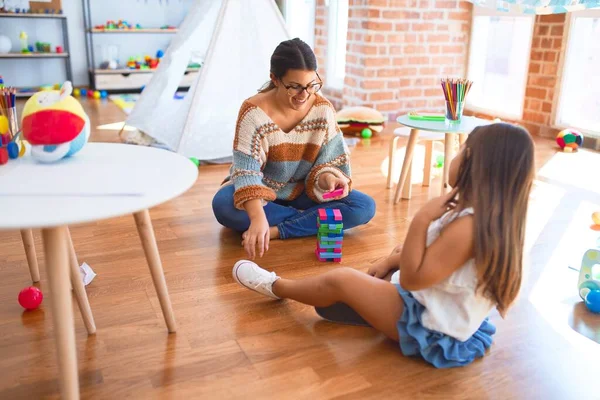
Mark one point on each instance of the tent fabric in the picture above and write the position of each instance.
(540, 7)
(235, 38)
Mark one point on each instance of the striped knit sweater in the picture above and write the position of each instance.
(270, 164)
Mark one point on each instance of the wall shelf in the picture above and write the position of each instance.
(34, 55)
(40, 56)
(124, 71)
(31, 15)
(126, 31)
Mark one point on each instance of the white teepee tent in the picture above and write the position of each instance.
(235, 38)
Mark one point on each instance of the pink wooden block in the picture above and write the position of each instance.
(335, 193)
(322, 214)
(337, 215)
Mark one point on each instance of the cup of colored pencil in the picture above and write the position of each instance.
(9, 125)
(455, 92)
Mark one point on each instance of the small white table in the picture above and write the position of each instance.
(103, 181)
(466, 125)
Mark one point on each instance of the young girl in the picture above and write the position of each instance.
(288, 153)
(462, 257)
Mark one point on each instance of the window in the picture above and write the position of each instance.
(499, 61)
(299, 18)
(579, 101)
(337, 30)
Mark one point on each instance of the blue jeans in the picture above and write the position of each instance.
(294, 218)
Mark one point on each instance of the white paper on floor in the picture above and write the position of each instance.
(87, 274)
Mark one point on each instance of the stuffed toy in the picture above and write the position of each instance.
(360, 121)
(54, 124)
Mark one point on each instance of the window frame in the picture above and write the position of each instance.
(555, 115)
(479, 11)
(331, 81)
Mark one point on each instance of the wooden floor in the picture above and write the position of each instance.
(232, 343)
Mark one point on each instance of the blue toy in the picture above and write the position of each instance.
(103, 94)
(589, 280)
(330, 235)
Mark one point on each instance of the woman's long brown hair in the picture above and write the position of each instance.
(495, 178)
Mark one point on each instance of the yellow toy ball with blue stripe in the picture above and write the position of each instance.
(569, 138)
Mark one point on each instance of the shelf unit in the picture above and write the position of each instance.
(122, 79)
(65, 55)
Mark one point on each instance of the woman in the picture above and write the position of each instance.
(288, 152)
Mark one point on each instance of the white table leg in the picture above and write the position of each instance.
(79, 288)
(448, 155)
(427, 163)
(57, 268)
(407, 190)
(393, 146)
(146, 233)
(29, 245)
(410, 147)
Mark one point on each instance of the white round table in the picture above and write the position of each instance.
(462, 128)
(104, 180)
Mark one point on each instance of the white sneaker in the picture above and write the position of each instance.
(250, 275)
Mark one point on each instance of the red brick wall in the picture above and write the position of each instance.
(543, 73)
(398, 50)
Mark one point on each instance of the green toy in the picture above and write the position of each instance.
(195, 161)
(366, 133)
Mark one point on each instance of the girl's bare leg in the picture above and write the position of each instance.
(376, 300)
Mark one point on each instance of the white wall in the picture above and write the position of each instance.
(148, 13)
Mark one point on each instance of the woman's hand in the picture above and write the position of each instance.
(437, 207)
(330, 182)
(257, 234)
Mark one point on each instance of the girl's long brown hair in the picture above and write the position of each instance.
(495, 178)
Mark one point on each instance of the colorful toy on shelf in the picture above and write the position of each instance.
(330, 235)
(589, 280)
(120, 25)
(55, 124)
(569, 140)
(24, 44)
(360, 121)
(42, 47)
(30, 298)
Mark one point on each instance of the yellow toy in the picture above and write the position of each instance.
(55, 125)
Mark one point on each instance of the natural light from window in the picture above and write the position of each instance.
(299, 18)
(498, 62)
(337, 29)
(579, 104)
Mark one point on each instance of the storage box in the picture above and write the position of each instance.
(46, 7)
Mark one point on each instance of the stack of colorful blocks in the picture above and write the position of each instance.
(330, 235)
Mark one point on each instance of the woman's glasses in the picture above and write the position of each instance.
(294, 90)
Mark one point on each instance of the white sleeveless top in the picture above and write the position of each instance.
(452, 306)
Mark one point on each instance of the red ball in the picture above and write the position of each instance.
(30, 298)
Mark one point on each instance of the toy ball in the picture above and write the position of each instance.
(30, 298)
(160, 54)
(83, 92)
(3, 125)
(366, 133)
(592, 301)
(76, 92)
(104, 94)
(596, 217)
(54, 124)
(569, 138)
(13, 150)
(96, 94)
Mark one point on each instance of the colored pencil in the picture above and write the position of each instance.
(455, 91)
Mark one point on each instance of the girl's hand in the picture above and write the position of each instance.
(438, 206)
(332, 182)
(257, 234)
